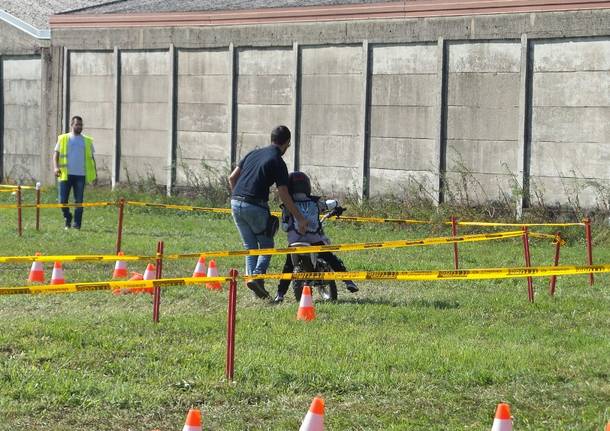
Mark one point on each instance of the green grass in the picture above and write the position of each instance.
(394, 356)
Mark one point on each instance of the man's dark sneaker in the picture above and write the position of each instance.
(279, 298)
(351, 286)
(258, 287)
(76, 226)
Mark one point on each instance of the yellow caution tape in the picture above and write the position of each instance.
(107, 285)
(83, 205)
(180, 207)
(464, 274)
(13, 187)
(484, 223)
(273, 251)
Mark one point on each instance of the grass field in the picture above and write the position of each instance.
(394, 356)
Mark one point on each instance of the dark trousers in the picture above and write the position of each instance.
(76, 183)
(335, 263)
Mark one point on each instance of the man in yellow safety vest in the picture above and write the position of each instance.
(74, 164)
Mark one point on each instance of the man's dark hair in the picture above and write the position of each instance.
(76, 118)
(280, 135)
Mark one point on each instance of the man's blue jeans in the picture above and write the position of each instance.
(251, 221)
(76, 183)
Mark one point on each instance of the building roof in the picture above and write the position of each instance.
(162, 6)
(36, 12)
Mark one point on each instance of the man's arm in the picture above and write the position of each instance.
(56, 163)
(290, 206)
(234, 177)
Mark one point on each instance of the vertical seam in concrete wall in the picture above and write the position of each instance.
(523, 120)
(365, 140)
(441, 115)
(66, 92)
(116, 154)
(45, 82)
(296, 102)
(232, 106)
(527, 119)
(1, 118)
(171, 151)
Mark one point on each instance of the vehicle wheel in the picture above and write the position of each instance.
(326, 289)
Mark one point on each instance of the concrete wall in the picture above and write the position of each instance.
(404, 117)
(21, 96)
(481, 105)
(570, 122)
(145, 116)
(203, 112)
(482, 122)
(92, 84)
(330, 111)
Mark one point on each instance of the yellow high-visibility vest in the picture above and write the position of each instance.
(90, 171)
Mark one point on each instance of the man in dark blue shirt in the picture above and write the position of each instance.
(250, 182)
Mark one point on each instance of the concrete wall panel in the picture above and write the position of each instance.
(572, 89)
(492, 57)
(331, 60)
(468, 187)
(335, 120)
(571, 159)
(203, 62)
(574, 124)
(402, 122)
(261, 118)
(331, 90)
(144, 116)
(91, 89)
(264, 90)
(98, 115)
(333, 181)
(202, 117)
(557, 190)
(264, 61)
(483, 89)
(482, 123)
(403, 59)
(572, 55)
(21, 87)
(91, 63)
(402, 183)
(472, 155)
(138, 143)
(203, 146)
(142, 89)
(203, 89)
(403, 90)
(144, 63)
(324, 150)
(403, 154)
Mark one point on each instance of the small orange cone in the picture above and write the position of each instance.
(193, 421)
(314, 419)
(503, 420)
(306, 310)
(149, 273)
(200, 268)
(120, 267)
(37, 271)
(608, 427)
(213, 272)
(127, 290)
(57, 276)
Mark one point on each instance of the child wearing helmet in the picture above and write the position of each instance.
(299, 187)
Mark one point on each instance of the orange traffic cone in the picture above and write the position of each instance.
(503, 420)
(314, 419)
(306, 310)
(149, 274)
(57, 276)
(120, 267)
(200, 268)
(37, 271)
(608, 427)
(213, 272)
(193, 421)
(127, 290)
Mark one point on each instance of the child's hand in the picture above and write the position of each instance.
(303, 225)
